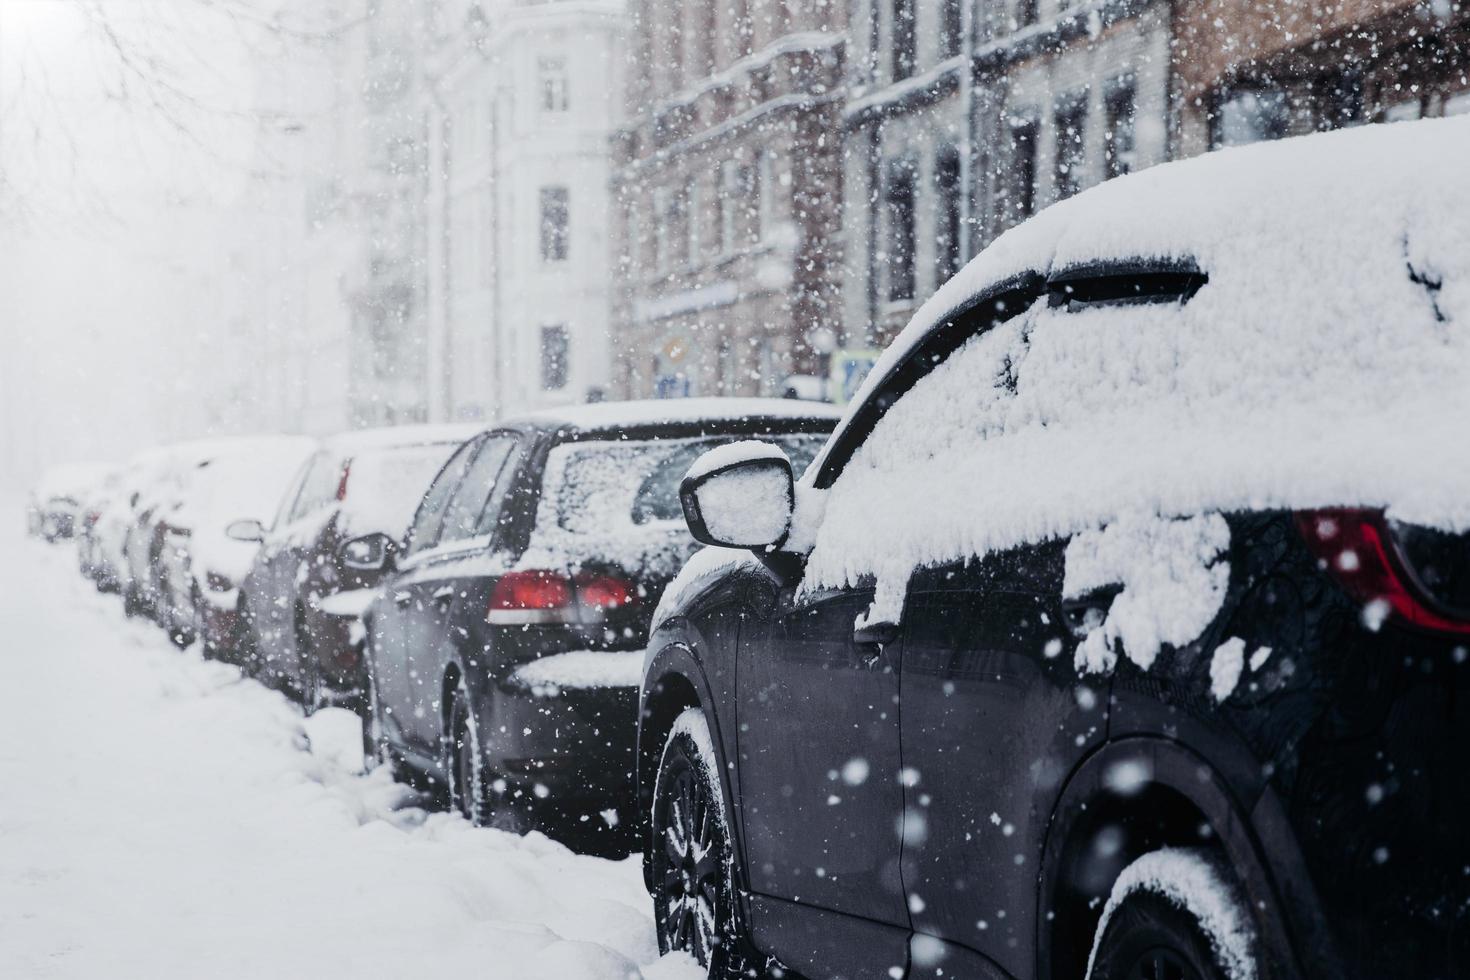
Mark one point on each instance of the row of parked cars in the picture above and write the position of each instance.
(1119, 628)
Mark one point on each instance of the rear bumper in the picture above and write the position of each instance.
(574, 744)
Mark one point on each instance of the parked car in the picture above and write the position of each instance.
(116, 515)
(505, 651)
(201, 565)
(52, 510)
(299, 608)
(1121, 627)
(161, 492)
(89, 511)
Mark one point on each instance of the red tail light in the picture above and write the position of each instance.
(605, 592)
(530, 598)
(342, 480)
(1357, 547)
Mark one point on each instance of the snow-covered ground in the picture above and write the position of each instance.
(160, 817)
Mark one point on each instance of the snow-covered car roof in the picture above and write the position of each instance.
(1315, 354)
(70, 479)
(394, 436)
(630, 414)
(1332, 222)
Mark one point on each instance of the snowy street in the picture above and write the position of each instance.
(163, 818)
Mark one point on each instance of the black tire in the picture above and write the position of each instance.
(308, 670)
(1148, 937)
(244, 651)
(693, 866)
(464, 764)
(131, 606)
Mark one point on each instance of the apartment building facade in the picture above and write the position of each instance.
(726, 194)
(523, 98)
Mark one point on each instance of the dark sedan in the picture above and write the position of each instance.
(506, 650)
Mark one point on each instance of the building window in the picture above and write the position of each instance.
(727, 202)
(904, 39)
(1023, 167)
(1027, 12)
(1119, 104)
(951, 28)
(947, 220)
(1252, 116)
(554, 218)
(552, 71)
(761, 188)
(1340, 99)
(899, 196)
(555, 352)
(1071, 132)
(692, 204)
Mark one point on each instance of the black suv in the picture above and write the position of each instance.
(506, 650)
(1120, 630)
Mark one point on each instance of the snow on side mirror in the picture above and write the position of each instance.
(369, 553)
(246, 529)
(739, 496)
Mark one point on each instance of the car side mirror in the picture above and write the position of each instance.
(739, 496)
(247, 529)
(369, 553)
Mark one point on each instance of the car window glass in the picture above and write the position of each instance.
(495, 512)
(288, 502)
(430, 516)
(320, 486)
(462, 515)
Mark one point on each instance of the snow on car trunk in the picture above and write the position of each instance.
(164, 818)
(1325, 363)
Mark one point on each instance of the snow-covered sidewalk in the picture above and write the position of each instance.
(161, 818)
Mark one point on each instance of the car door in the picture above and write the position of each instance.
(286, 551)
(994, 717)
(404, 623)
(266, 597)
(820, 777)
(449, 585)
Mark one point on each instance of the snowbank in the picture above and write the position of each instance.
(183, 823)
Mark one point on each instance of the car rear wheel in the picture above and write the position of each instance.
(692, 866)
(465, 765)
(1174, 915)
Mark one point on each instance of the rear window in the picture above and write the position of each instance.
(384, 487)
(597, 485)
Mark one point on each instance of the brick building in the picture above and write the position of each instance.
(726, 190)
(906, 133)
(1248, 70)
(1066, 96)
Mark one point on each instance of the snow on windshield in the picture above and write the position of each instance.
(618, 502)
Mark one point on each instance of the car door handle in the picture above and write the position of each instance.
(1085, 612)
(875, 634)
(401, 599)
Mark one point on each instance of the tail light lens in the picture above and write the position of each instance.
(534, 598)
(605, 592)
(1417, 575)
(342, 480)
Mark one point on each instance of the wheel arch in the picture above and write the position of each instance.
(673, 682)
(1132, 796)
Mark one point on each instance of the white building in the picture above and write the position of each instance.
(522, 101)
